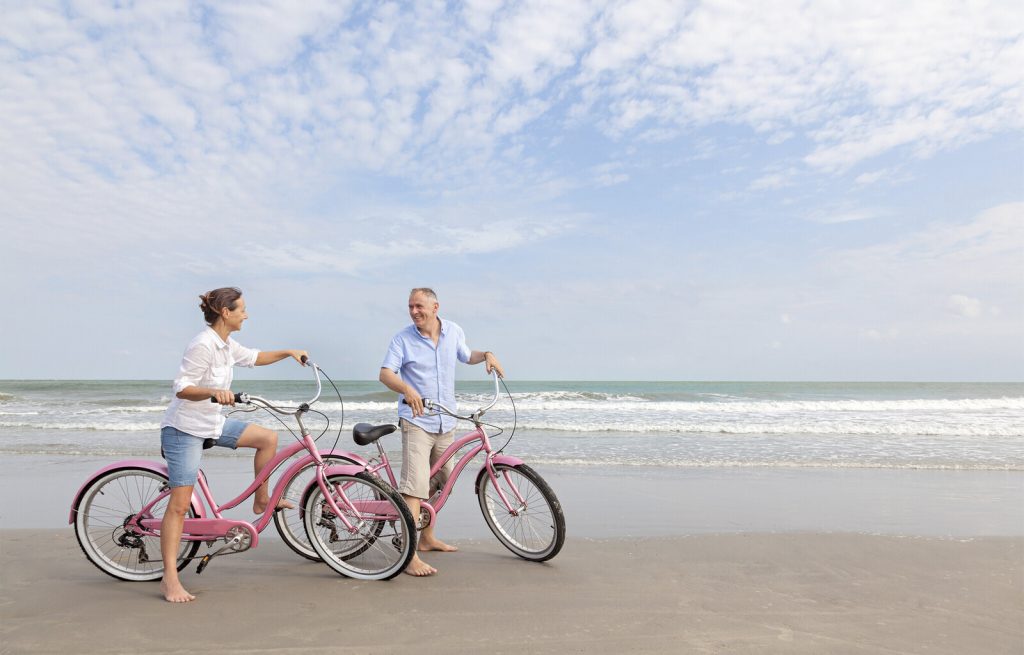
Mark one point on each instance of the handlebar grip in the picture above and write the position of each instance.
(304, 359)
(426, 402)
(238, 398)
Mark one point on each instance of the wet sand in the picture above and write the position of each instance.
(662, 561)
(740, 593)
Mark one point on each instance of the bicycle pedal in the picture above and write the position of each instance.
(202, 564)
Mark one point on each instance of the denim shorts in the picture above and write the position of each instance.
(183, 451)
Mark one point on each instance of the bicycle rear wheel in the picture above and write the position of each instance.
(383, 539)
(535, 530)
(106, 507)
(290, 522)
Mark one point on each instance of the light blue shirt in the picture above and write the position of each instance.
(429, 369)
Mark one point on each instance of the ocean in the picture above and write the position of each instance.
(976, 426)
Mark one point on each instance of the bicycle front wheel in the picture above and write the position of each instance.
(535, 527)
(106, 508)
(290, 522)
(382, 539)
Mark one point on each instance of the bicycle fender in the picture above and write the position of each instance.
(149, 465)
(339, 469)
(507, 460)
(344, 469)
(346, 454)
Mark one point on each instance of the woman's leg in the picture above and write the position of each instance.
(170, 541)
(265, 443)
(183, 453)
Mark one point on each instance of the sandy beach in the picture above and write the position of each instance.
(744, 593)
(714, 561)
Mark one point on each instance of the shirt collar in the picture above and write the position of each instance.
(220, 343)
(444, 329)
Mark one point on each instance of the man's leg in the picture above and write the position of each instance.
(428, 541)
(170, 541)
(415, 482)
(417, 566)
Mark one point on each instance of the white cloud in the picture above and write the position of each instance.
(833, 215)
(964, 306)
(154, 121)
(920, 278)
(238, 90)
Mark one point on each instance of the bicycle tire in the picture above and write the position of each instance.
(536, 532)
(290, 523)
(354, 547)
(385, 541)
(106, 506)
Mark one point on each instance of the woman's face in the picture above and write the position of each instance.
(233, 318)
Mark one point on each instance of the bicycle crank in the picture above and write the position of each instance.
(238, 540)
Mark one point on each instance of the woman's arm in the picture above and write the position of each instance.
(271, 356)
(222, 396)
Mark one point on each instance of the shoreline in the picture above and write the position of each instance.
(639, 501)
(738, 593)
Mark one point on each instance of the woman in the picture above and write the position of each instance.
(205, 373)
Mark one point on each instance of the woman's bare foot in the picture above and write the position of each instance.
(260, 506)
(419, 568)
(175, 593)
(434, 543)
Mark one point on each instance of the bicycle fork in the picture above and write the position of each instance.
(520, 501)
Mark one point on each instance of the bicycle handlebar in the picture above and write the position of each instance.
(245, 398)
(475, 416)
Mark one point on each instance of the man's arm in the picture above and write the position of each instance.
(391, 380)
(489, 359)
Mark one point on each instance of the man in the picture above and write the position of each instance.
(420, 363)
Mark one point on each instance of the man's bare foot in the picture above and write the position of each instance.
(175, 593)
(260, 506)
(435, 544)
(419, 568)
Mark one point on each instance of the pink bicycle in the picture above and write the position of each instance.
(356, 523)
(518, 505)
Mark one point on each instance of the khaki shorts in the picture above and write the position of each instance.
(420, 449)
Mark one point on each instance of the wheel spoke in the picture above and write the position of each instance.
(378, 546)
(105, 507)
(533, 529)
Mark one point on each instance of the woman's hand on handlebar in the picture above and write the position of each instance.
(301, 356)
(223, 396)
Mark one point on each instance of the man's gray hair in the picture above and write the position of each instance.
(426, 291)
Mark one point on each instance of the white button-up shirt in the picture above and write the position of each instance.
(208, 362)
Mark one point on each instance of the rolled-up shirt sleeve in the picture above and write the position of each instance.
(395, 356)
(194, 365)
(462, 351)
(242, 356)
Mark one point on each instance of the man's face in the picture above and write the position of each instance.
(422, 310)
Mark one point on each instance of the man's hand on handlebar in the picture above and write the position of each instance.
(492, 364)
(415, 401)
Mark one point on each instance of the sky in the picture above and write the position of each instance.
(634, 190)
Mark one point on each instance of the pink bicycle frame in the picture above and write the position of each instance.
(439, 498)
(203, 527)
